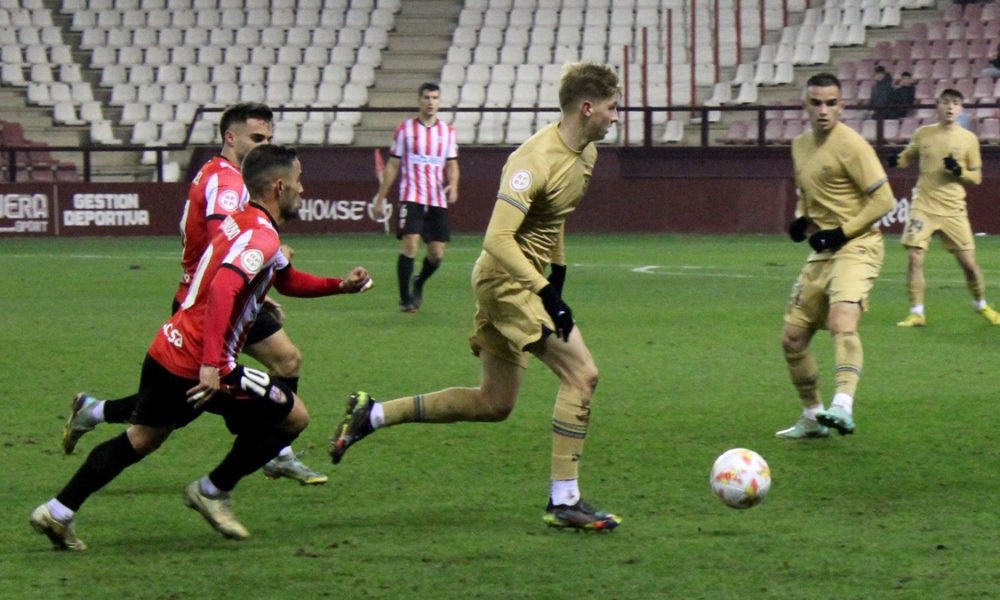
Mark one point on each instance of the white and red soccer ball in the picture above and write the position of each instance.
(740, 478)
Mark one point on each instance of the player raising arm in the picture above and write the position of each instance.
(191, 366)
(216, 192)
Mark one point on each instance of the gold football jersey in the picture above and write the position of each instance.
(939, 191)
(545, 180)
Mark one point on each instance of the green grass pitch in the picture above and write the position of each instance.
(685, 331)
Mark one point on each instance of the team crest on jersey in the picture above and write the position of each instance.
(520, 181)
(252, 260)
(229, 200)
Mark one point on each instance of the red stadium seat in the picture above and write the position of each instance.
(925, 89)
(972, 13)
(918, 32)
(984, 88)
(939, 49)
(978, 48)
(989, 13)
(958, 49)
(962, 68)
(865, 90)
(736, 133)
(773, 131)
(937, 30)
(882, 51)
(989, 131)
(953, 12)
(967, 87)
(847, 71)
(941, 69)
(956, 30)
(975, 29)
(920, 50)
(907, 127)
(901, 49)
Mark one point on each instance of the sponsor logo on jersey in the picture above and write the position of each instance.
(252, 260)
(229, 200)
(230, 228)
(173, 335)
(520, 181)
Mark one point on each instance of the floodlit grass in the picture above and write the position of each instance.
(685, 331)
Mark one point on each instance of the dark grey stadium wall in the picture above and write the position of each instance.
(633, 190)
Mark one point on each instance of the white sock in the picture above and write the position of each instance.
(208, 488)
(565, 491)
(979, 304)
(286, 453)
(377, 416)
(844, 401)
(918, 310)
(59, 511)
(810, 412)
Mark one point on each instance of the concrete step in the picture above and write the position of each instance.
(402, 64)
(428, 44)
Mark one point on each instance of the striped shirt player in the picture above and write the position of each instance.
(191, 365)
(425, 153)
(216, 192)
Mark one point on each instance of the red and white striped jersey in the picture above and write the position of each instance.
(226, 291)
(216, 192)
(423, 151)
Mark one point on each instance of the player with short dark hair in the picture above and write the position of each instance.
(519, 310)
(843, 192)
(425, 152)
(216, 192)
(949, 160)
(191, 366)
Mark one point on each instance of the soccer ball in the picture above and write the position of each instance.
(740, 478)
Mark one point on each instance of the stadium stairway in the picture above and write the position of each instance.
(785, 94)
(416, 53)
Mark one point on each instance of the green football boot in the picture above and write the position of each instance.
(838, 418)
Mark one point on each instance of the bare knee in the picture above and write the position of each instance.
(493, 408)
(287, 364)
(297, 419)
(792, 343)
(145, 440)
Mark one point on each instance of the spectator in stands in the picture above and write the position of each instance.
(843, 192)
(993, 69)
(426, 151)
(881, 96)
(903, 97)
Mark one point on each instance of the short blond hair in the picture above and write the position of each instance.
(587, 81)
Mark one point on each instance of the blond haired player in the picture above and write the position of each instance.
(949, 157)
(519, 310)
(843, 192)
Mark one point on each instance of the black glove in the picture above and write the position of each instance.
(557, 277)
(828, 239)
(952, 165)
(894, 160)
(561, 314)
(797, 229)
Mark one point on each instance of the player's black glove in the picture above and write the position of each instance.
(561, 314)
(952, 165)
(894, 160)
(797, 229)
(828, 239)
(557, 276)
